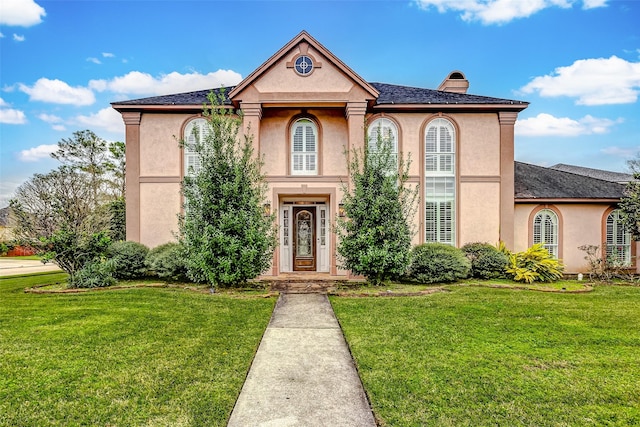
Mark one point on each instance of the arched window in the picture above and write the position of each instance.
(384, 131)
(618, 240)
(304, 148)
(440, 182)
(545, 230)
(194, 132)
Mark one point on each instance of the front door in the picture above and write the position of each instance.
(304, 239)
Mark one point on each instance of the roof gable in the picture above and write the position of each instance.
(303, 43)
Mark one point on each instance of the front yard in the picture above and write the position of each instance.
(139, 357)
(477, 356)
(462, 356)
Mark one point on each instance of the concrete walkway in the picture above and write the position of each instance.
(303, 373)
(13, 266)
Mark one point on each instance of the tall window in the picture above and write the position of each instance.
(384, 130)
(545, 230)
(440, 182)
(618, 240)
(194, 132)
(304, 148)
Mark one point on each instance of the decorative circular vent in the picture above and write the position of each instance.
(303, 65)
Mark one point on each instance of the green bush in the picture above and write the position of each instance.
(167, 262)
(487, 262)
(96, 274)
(128, 259)
(534, 264)
(438, 262)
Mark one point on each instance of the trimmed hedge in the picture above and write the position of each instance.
(167, 262)
(437, 263)
(128, 259)
(487, 262)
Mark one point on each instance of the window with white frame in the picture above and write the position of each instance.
(440, 182)
(618, 241)
(194, 132)
(545, 230)
(304, 148)
(383, 131)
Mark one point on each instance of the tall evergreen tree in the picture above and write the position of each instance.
(226, 235)
(375, 234)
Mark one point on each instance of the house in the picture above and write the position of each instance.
(304, 107)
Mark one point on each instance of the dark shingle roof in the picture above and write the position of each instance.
(619, 177)
(394, 94)
(537, 182)
(389, 94)
(187, 98)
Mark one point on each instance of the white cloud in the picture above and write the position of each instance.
(58, 92)
(547, 125)
(592, 4)
(501, 11)
(18, 38)
(59, 128)
(21, 13)
(37, 153)
(107, 55)
(12, 116)
(623, 152)
(1, 35)
(94, 60)
(3, 103)
(600, 81)
(107, 119)
(49, 118)
(138, 83)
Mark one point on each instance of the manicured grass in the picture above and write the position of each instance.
(477, 356)
(135, 357)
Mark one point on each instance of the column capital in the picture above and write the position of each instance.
(355, 109)
(507, 117)
(131, 117)
(251, 109)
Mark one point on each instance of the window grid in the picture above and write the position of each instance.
(194, 132)
(304, 148)
(545, 230)
(440, 183)
(386, 130)
(618, 240)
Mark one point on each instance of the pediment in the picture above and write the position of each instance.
(303, 72)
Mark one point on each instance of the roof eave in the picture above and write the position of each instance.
(455, 106)
(559, 200)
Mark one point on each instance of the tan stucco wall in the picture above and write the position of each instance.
(580, 224)
(479, 212)
(159, 207)
(159, 149)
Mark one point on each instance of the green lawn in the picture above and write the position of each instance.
(478, 356)
(137, 357)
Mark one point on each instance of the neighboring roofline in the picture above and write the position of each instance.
(161, 107)
(303, 36)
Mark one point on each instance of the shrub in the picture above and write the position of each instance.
(534, 264)
(128, 259)
(167, 262)
(487, 261)
(438, 262)
(96, 274)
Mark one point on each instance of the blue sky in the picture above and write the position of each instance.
(576, 61)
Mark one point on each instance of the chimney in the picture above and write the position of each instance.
(455, 82)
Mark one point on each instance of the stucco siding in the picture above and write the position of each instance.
(160, 154)
(159, 208)
(478, 144)
(479, 216)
